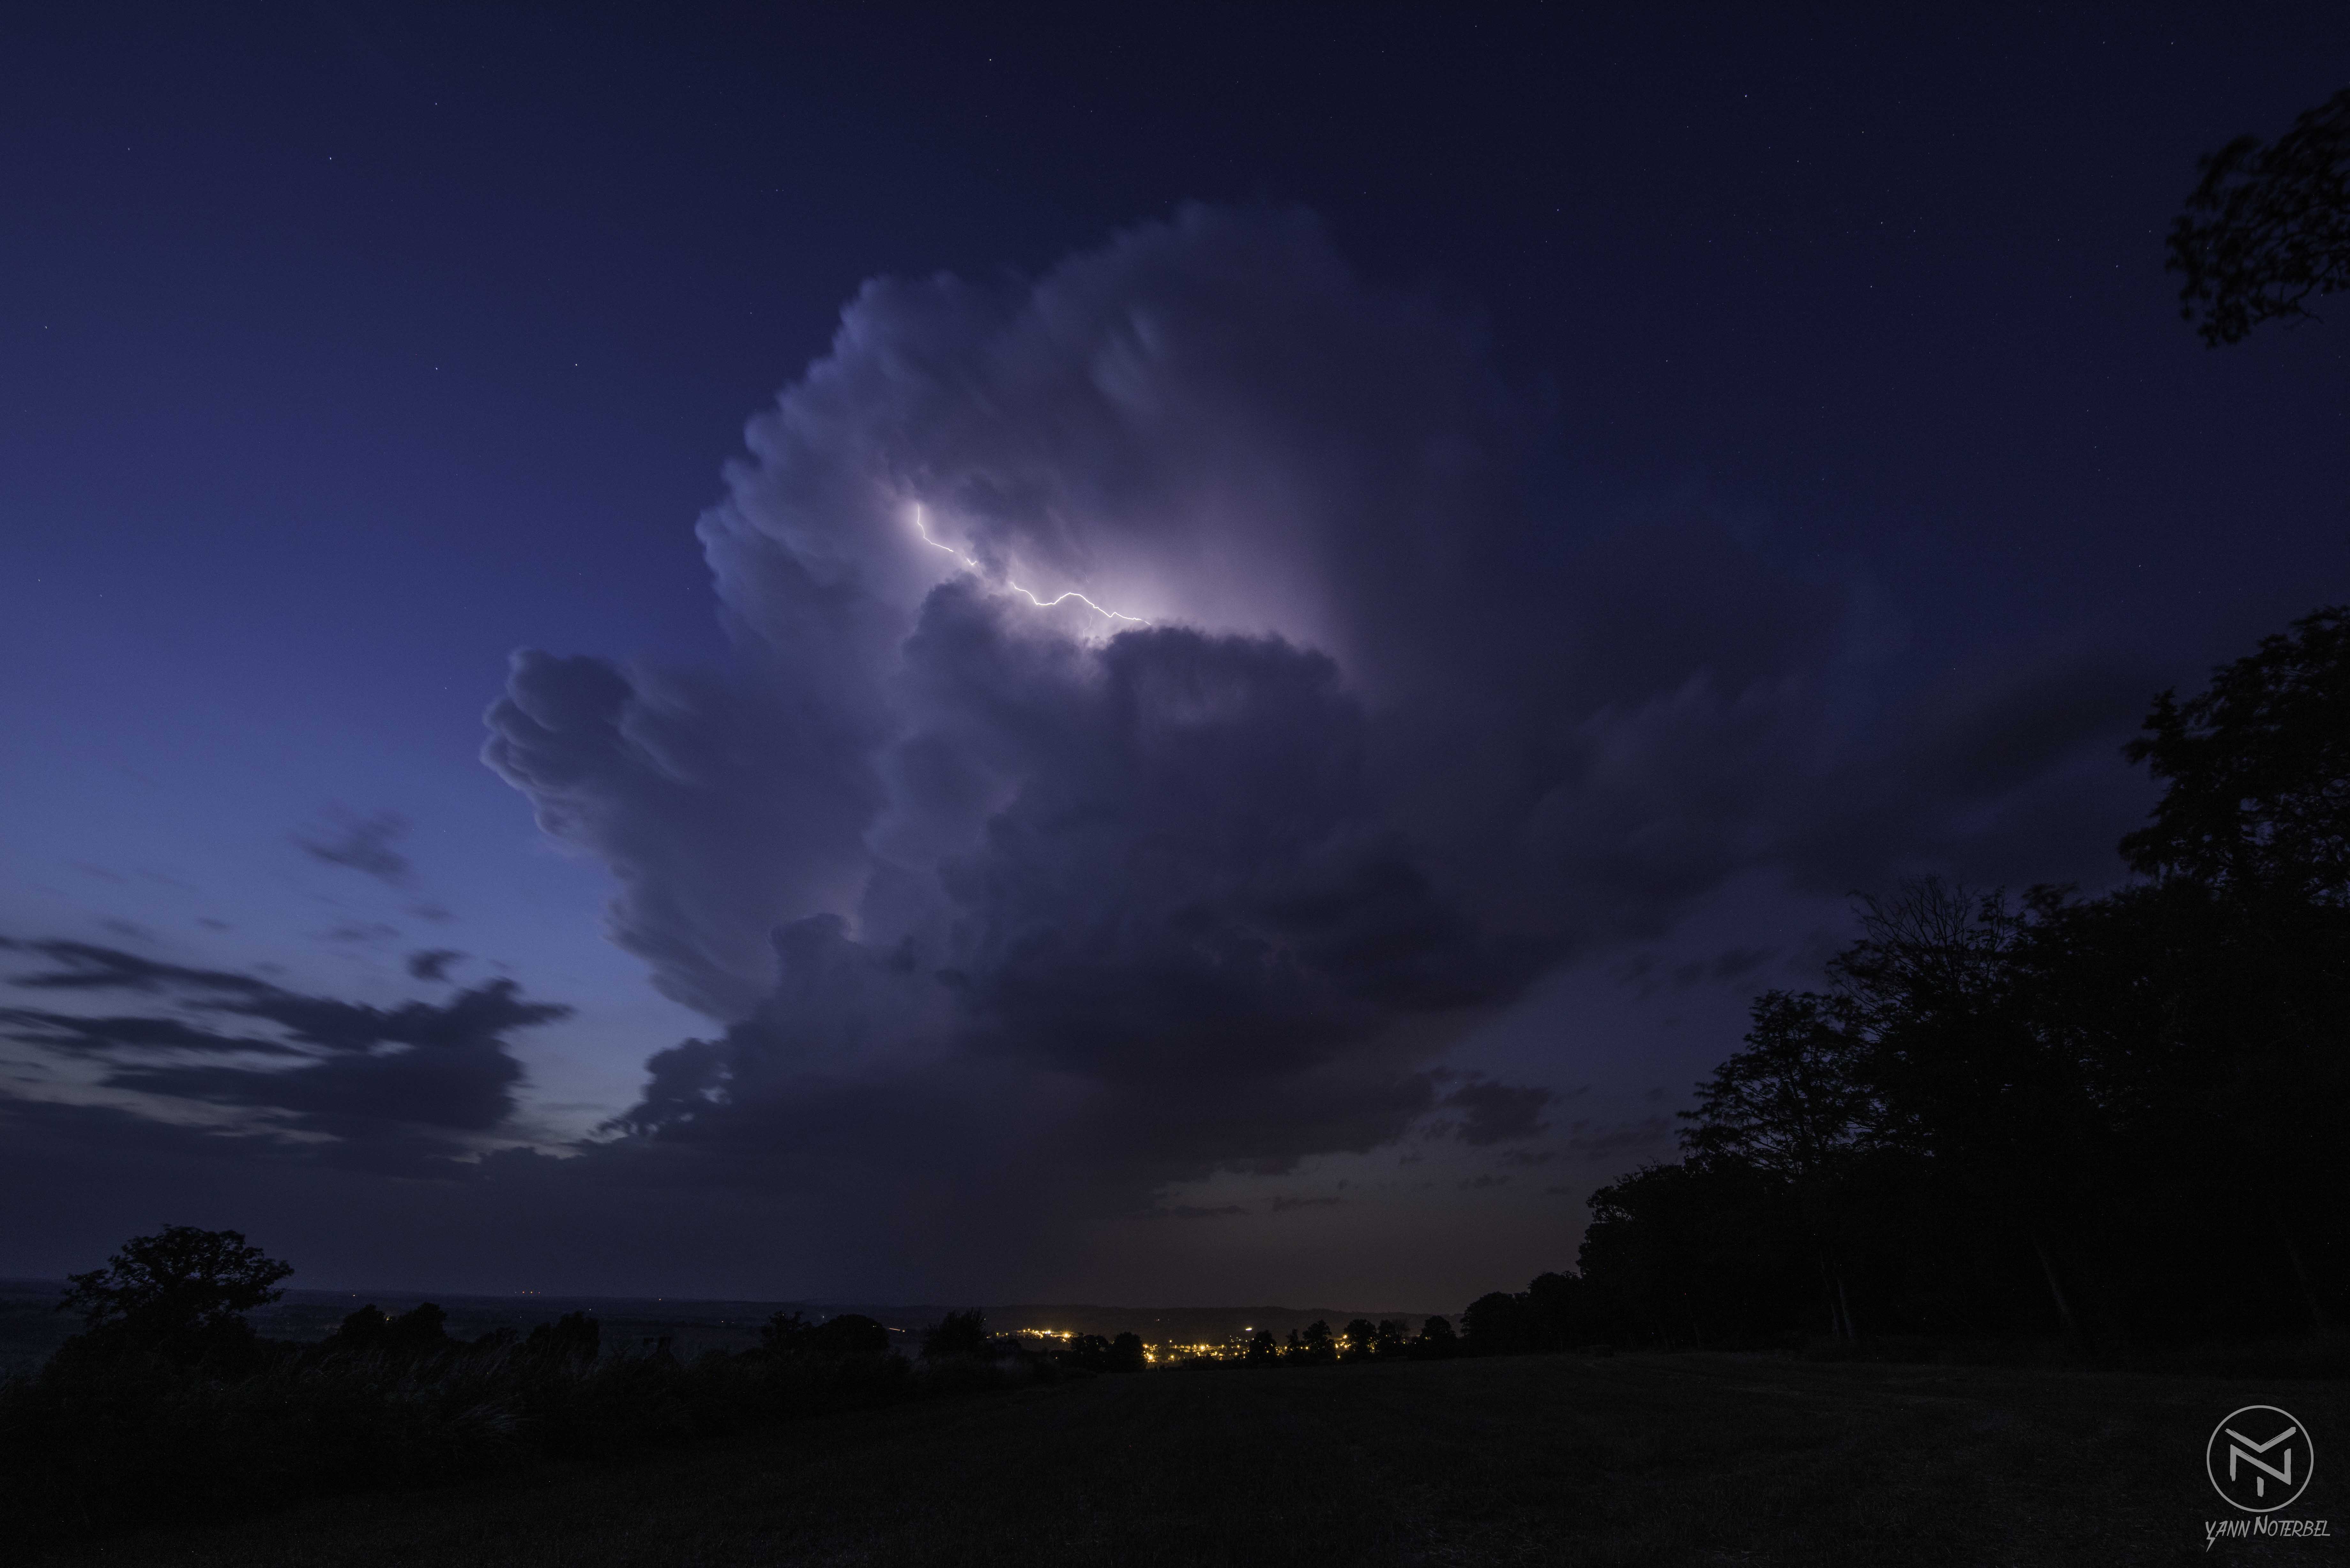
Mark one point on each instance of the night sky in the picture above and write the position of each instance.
(545, 747)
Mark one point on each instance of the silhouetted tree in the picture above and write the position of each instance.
(362, 1331)
(1360, 1340)
(784, 1333)
(1436, 1338)
(1559, 1312)
(182, 1293)
(1555, 1311)
(1966, 1073)
(1705, 1251)
(1394, 1337)
(1125, 1353)
(1262, 1349)
(1791, 1102)
(2267, 226)
(1494, 1324)
(2257, 769)
(1795, 1106)
(1313, 1342)
(422, 1330)
(2253, 957)
(2208, 1029)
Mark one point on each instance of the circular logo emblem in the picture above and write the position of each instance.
(2258, 1457)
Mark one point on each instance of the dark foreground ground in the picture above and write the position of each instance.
(1667, 1460)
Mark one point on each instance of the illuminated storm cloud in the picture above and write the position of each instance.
(1161, 723)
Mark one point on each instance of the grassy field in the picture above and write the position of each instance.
(1665, 1460)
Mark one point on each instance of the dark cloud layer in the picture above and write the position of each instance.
(433, 964)
(387, 1084)
(1498, 1112)
(1346, 736)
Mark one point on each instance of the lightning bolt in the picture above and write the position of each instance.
(1015, 587)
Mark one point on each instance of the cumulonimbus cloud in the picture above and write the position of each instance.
(977, 878)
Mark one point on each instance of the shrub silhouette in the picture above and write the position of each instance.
(1436, 1339)
(1312, 1344)
(575, 1338)
(959, 1333)
(422, 1331)
(783, 1333)
(1090, 1351)
(849, 1334)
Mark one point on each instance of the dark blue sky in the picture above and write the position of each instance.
(344, 349)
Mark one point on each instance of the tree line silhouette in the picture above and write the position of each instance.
(2113, 1119)
(168, 1406)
